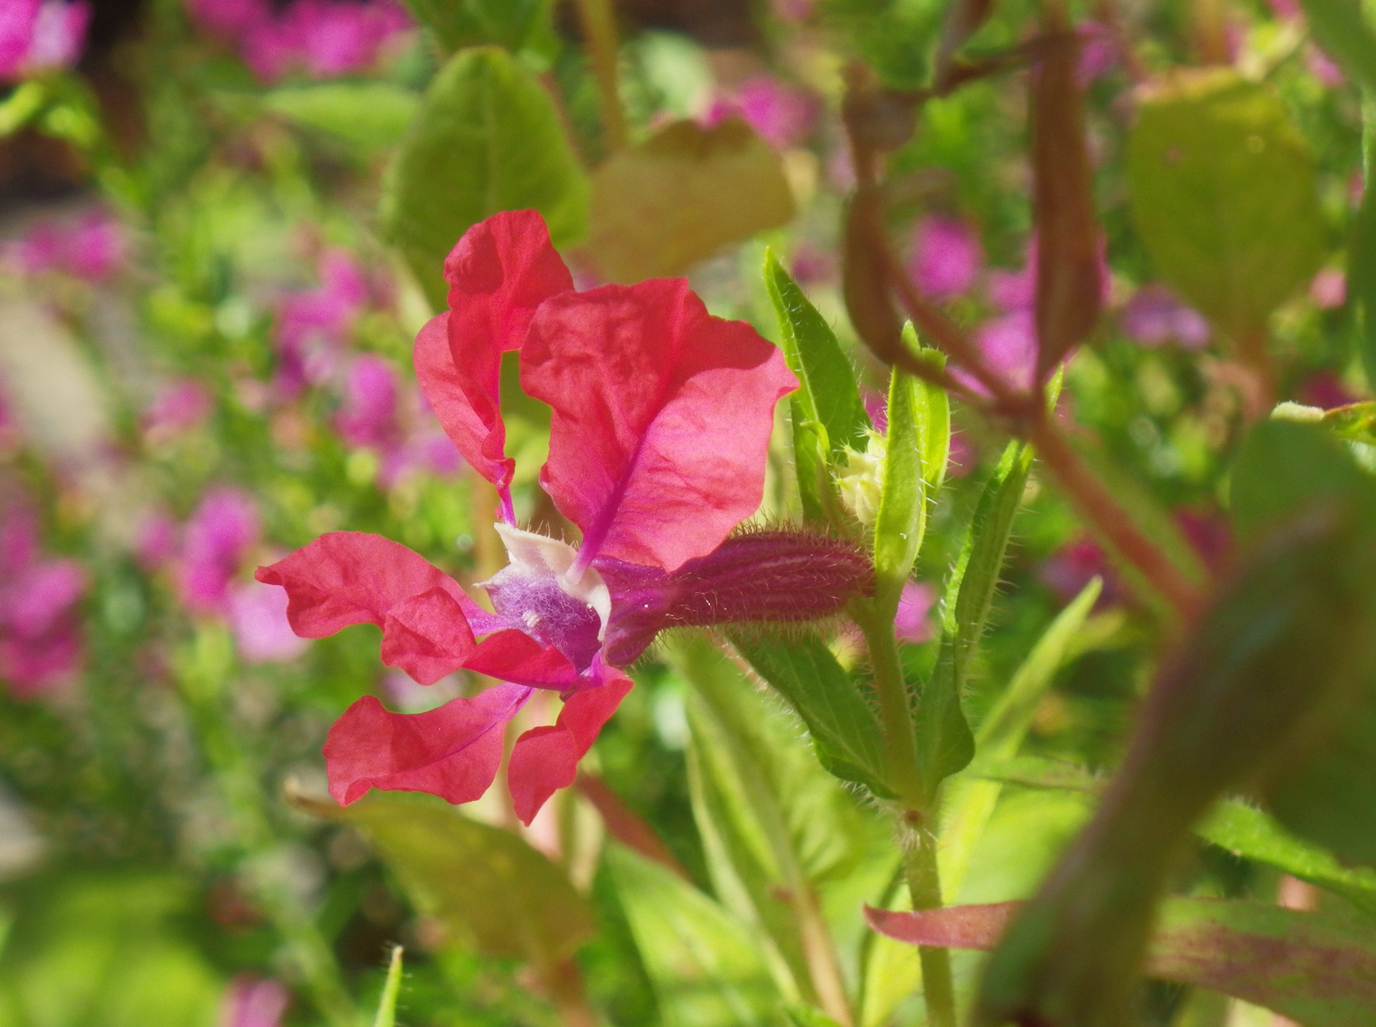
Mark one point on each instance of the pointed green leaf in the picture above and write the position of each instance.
(845, 732)
(1224, 196)
(705, 967)
(827, 393)
(487, 138)
(1314, 968)
(1345, 35)
(1357, 421)
(902, 516)
(487, 886)
(969, 802)
(391, 988)
(944, 741)
(367, 114)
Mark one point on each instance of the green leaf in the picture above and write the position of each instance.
(487, 886)
(1339, 27)
(663, 205)
(1284, 467)
(902, 516)
(806, 1016)
(776, 827)
(391, 988)
(969, 801)
(1223, 193)
(1361, 256)
(487, 138)
(828, 394)
(944, 741)
(1314, 968)
(895, 37)
(511, 24)
(706, 969)
(367, 114)
(845, 733)
(1356, 422)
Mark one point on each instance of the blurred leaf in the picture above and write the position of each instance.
(512, 24)
(1314, 968)
(1069, 290)
(806, 1016)
(90, 951)
(968, 802)
(368, 114)
(387, 1005)
(1223, 192)
(23, 104)
(706, 969)
(1357, 422)
(1361, 250)
(944, 741)
(774, 824)
(895, 37)
(845, 733)
(665, 204)
(487, 886)
(487, 138)
(933, 418)
(902, 516)
(1339, 27)
(1284, 467)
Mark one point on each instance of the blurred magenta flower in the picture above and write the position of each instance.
(368, 416)
(946, 256)
(313, 324)
(178, 407)
(92, 248)
(661, 416)
(1325, 389)
(913, 622)
(1098, 52)
(258, 618)
(254, 1002)
(229, 17)
(218, 537)
(782, 115)
(1328, 290)
(156, 540)
(1009, 345)
(40, 35)
(1154, 317)
(40, 634)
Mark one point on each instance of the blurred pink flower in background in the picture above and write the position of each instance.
(793, 11)
(1098, 52)
(322, 38)
(40, 635)
(40, 36)
(912, 623)
(178, 407)
(258, 617)
(1154, 317)
(1325, 389)
(156, 540)
(251, 1001)
(368, 416)
(946, 258)
(313, 324)
(219, 535)
(92, 248)
(1328, 290)
(1009, 345)
(783, 115)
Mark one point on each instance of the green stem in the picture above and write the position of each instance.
(920, 865)
(599, 29)
(924, 885)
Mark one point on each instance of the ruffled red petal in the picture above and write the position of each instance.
(498, 273)
(349, 577)
(545, 759)
(452, 751)
(662, 416)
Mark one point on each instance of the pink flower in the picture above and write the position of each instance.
(661, 416)
(40, 36)
(913, 622)
(1154, 317)
(254, 1002)
(229, 17)
(155, 540)
(780, 114)
(91, 249)
(224, 527)
(178, 407)
(1009, 346)
(947, 256)
(258, 617)
(369, 414)
(323, 38)
(1328, 290)
(40, 635)
(1326, 389)
(1098, 52)
(312, 325)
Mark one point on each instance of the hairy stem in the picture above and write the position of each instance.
(599, 29)
(924, 885)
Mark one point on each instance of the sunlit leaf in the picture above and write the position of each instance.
(845, 732)
(487, 138)
(391, 988)
(706, 968)
(1317, 969)
(1357, 422)
(902, 516)
(487, 886)
(368, 114)
(686, 192)
(1223, 193)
